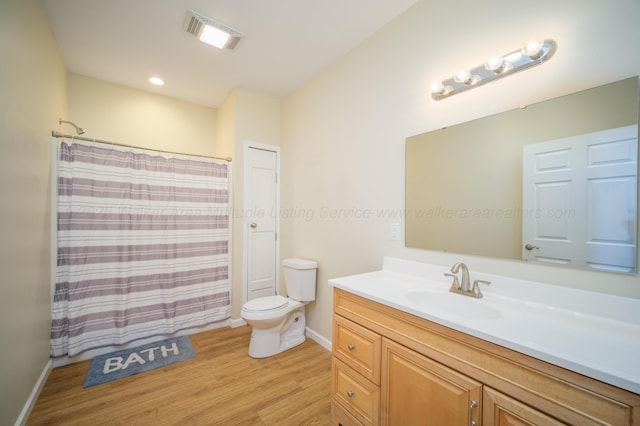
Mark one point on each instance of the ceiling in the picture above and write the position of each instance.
(286, 42)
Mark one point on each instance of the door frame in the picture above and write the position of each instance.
(246, 217)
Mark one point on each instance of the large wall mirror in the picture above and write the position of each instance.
(555, 182)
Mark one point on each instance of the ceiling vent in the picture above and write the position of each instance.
(211, 31)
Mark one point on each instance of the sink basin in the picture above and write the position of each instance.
(452, 304)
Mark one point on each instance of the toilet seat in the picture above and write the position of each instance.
(267, 303)
(274, 308)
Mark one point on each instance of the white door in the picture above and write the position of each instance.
(580, 200)
(261, 222)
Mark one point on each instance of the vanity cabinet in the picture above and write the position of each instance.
(394, 368)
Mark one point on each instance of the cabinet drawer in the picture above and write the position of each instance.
(358, 347)
(341, 416)
(358, 395)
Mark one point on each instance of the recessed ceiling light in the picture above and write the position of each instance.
(157, 81)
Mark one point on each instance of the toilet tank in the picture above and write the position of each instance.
(300, 279)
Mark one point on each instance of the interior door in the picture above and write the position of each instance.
(261, 222)
(580, 200)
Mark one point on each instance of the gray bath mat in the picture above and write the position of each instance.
(127, 362)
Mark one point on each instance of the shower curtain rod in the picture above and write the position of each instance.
(62, 135)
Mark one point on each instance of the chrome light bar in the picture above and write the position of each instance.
(534, 53)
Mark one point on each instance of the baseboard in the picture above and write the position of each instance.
(318, 338)
(33, 397)
(239, 322)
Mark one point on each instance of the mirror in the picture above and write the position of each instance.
(464, 183)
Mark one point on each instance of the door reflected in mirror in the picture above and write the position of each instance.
(468, 192)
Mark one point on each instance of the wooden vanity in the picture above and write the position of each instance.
(391, 367)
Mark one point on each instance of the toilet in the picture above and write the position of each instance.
(279, 322)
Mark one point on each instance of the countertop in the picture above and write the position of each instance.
(594, 334)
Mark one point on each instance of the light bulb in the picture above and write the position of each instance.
(462, 76)
(495, 64)
(533, 49)
(437, 87)
(214, 36)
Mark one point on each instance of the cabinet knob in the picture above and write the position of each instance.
(350, 393)
(474, 404)
(351, 346)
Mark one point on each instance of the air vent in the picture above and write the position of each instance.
(196, 22)
(194, 25)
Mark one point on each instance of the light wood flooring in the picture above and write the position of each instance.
(221, 385)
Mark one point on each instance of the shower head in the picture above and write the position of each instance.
(79, 130)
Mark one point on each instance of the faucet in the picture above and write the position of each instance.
(464, 287)
(464, 281)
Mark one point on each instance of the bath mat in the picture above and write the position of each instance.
(127, 362)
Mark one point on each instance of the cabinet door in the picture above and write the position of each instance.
(419, 391)
(502, 410)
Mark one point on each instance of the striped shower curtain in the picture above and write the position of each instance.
(143, 246)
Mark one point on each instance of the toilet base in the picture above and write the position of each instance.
(268, 342)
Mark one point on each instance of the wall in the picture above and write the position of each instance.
(344, 131)
(129, 116)
(244, 116)
(33, 84)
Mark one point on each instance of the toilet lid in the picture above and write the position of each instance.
(265, 303)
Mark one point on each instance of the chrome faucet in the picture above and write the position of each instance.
(464, 286)
(464, 280)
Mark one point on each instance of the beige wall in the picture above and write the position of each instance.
(129, 116)
(225, 127)
(344, 131)
(243, 117)
(32, 83)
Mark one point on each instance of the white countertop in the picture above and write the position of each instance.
(591, 333)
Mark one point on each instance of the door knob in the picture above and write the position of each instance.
(531, 247)
(254, 225)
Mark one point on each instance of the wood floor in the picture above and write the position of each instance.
(222, 385)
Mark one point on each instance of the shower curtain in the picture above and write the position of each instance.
(143, 246)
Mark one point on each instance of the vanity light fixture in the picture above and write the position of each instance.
(210, 31)
(534, 53)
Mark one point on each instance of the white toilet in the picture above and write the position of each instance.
(278, 322)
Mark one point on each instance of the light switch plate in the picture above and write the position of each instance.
(395, 232)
